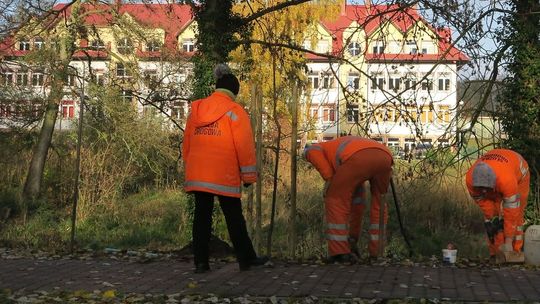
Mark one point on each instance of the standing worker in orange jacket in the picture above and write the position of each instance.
(345, 164)
(219, 156)
(501, 175)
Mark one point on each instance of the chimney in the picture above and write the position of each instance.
(367, 3)
(343, 7)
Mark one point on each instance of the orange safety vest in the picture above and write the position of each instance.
(218, 148)
(328, 156)
(510, 170)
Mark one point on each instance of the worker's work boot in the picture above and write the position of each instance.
(346, 259)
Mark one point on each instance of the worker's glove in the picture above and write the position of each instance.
(494, 226)
(246, 185)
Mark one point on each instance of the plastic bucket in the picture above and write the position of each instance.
(449, 256)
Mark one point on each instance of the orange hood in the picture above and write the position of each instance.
(208, 110)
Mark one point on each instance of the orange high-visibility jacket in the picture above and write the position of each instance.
(326, 157)
(218, 148)
(509, 168)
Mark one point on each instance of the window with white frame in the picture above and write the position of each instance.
(99, 77)
(188, 45)
(37, 79)
(314, 113)
(122, 71)
(151, 78)
(125, 46)
(328, 115)
(178, 111)
(427, 85)
(392, 142)
(24, 45)
(410, 83)
(377, 82)
(6, 78)
(22, 79)
(327, 81)
(352, 113)
(68, 109)
(127, 96)
(97, 44)
(378, 47)
(71, 80)
(394, 83)
(153, 45)
(353, 81)
(38, 43)
(444, 84)
(354, 48)
(313, 80)
(424, 50)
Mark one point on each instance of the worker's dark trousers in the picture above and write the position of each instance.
(236, 225)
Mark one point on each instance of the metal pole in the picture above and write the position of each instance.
(77, 165)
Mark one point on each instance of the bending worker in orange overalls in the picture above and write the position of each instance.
(501, 175)
(345, 164)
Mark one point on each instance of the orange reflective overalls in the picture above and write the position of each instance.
(347, 162)
(511, 188)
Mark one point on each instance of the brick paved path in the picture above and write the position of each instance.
(170, 277)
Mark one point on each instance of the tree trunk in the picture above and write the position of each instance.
(258, 185)
(294, 149)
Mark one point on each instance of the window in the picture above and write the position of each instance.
(6, 79)
(98, 78)
(394, 84)
(328, 81)
(444, 114)
(377, 83)
(97, 44)
(153, 46)
(24, 45)
(444, 84)
(125, 46)
(424, 50)
(393, 142)
(37, 79)
(427, 85)
(328, 115)
(178, 111)
(70, 80)
(188, 45)
(378, 47)
(354, 48)
(315, 114)
(68, 109)
(427, 115)
(413, 48)
(352, 113)
(122, 71)
(127, 96)
(410, 83)
(313, 81)
(38, 43)
(22, 79)
(353, 81)
(151, 78)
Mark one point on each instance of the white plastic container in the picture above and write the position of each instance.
(449, 256)
(532, 245)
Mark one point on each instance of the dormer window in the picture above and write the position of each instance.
(354, 48)
(24, 45)
(122, 71)
(188, 45)
(153, 46)
(378, 47)
(39, 43)
(125, 46)
(97, 44)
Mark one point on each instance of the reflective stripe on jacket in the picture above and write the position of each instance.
(328, 156)
(218, 148)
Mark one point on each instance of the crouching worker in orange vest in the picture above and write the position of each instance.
(219, 156)
(345, 164)
(498, 176)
